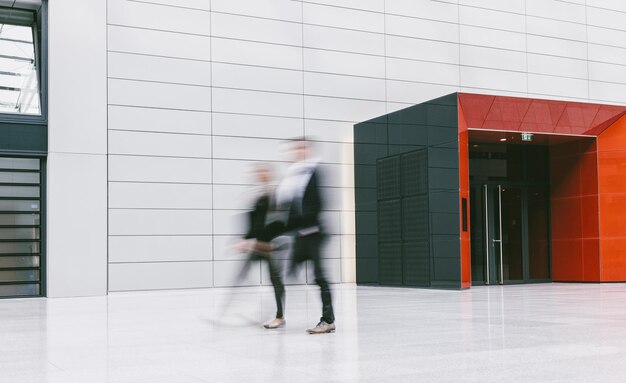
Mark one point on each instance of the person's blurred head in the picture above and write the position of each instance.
(262, 173)
(299, 149)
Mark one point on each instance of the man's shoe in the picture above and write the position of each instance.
(322, 328)
(276, 323)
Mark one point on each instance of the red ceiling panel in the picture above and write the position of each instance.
(476, 108)
(577, 118)
(607, 112)
(537, 116)
(598, 129)
(507, 113)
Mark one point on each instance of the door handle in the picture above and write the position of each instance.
(497, 240)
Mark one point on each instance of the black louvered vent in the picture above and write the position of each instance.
(390, 221)
(403, 219)
(416, 263)
(415, 218)
(415, 173)
(388, 183)
(390, 263)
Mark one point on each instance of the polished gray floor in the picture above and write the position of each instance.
(532, 333)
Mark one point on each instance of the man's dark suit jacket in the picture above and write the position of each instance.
(303, 217)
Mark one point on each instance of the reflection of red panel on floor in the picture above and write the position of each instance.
(588, 177)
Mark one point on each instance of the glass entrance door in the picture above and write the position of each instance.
(509, 234)
(510, 204)
(499, 258)
(505, 233)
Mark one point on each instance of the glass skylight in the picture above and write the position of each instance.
(19, 87)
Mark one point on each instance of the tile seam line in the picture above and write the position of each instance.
(398, 80)
(378, 34)
(170, 5)
(161, 132)
(212, 145)
(108, 192)
(460, 67)
(327, 96)
(361, 53)
(149, 132)
(526, 44)
(372, 11)
(192, 209)
(587, 47)
(390, 14)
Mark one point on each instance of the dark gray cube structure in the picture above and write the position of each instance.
(407, 197)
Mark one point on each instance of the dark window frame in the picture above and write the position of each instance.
(40, 41)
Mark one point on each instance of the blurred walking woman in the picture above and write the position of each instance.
(257, 241)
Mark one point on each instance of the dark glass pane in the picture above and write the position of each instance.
(19, 233)
(19, 247)
(477, 233)
(488, 161)
(19, 219)
(537, 163)
(19, 261)
(514, 163)
(19, 290)
(19, 276)
(494, 240)
(538, 241)
(511, 237)
(19, 163)
(19, 178)
(19, 191)
(21, 205)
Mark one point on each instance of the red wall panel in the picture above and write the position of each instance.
(612, 188)
(466, 263)
(574, 211)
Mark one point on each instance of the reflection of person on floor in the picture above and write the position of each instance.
(299, 193)
(257, 243)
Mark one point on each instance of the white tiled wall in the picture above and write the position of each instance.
(157, 43)
(76, 203)
(200, 90)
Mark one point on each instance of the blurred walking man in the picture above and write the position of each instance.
(299, 194)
